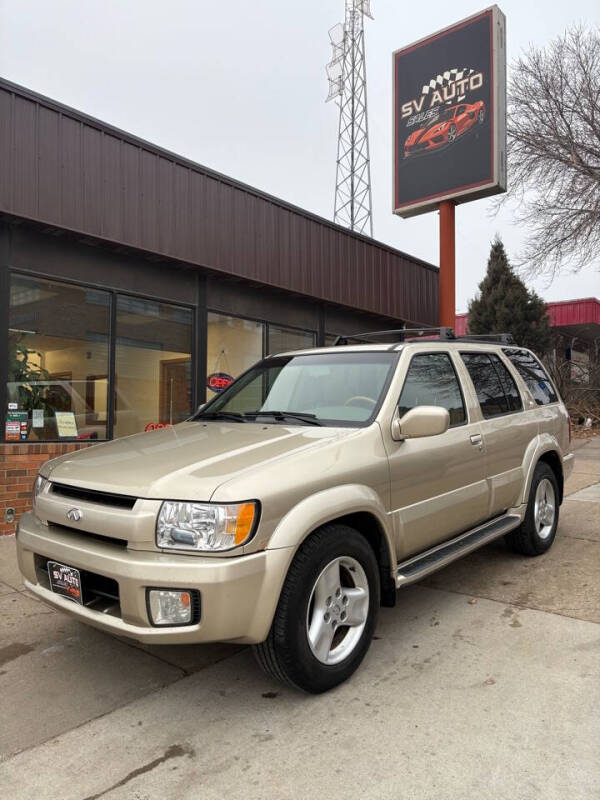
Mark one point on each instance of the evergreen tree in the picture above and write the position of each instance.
(505, 305)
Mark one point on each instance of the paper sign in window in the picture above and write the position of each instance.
(65, 424)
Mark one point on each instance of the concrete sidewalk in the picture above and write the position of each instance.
(483, 681)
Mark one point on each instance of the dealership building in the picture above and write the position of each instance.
(135, 284)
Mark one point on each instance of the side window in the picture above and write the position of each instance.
(534, 375)
(508, 384)
(487, 384)
(431, 381)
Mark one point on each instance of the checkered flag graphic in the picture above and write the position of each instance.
(450, 76)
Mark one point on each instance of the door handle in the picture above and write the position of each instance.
(477, 440)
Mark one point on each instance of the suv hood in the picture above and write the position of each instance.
(186, 462)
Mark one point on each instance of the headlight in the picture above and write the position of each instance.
(38, 487)
(205, 527)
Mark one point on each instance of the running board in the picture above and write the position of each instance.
(431, 560)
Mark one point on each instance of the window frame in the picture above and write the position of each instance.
(112, 339)
(448, 354)
(488, 353)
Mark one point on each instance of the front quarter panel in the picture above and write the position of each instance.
(322, 507)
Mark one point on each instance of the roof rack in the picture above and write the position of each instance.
(495, 338)
(444, 333)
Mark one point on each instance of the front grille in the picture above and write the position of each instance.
(122, 543)
(92, 496)
(99, 592)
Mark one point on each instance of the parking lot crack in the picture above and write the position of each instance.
(174, 751)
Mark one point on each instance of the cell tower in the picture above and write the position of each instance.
(348, 82)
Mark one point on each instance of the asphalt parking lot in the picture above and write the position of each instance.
(483, 681)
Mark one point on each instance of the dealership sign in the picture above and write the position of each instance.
(450, 115)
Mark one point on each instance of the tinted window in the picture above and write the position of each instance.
(534, 375)
(508, 384)
(487, 384)
(431, 381)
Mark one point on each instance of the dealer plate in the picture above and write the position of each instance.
(65, 581)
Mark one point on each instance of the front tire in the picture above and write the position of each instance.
(537, 532)
(326, 614)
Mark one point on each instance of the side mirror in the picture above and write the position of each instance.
(420, 421)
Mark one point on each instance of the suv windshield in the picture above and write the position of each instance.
(320, 389)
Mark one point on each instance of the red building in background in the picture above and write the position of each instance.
(575, 325)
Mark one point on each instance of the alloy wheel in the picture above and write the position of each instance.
(544, 508)
(337, 610)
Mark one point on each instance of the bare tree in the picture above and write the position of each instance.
(554, 152)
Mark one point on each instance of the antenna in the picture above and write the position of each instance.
(348, 83)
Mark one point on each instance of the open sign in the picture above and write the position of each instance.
(218, 381)
(155, 426)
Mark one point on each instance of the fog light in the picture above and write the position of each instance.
(168, 607)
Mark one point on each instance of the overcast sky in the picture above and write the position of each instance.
(239, 86)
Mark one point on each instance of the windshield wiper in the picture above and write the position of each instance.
(310, 419)
(233, 415)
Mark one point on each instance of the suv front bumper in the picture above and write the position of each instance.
(238, 595)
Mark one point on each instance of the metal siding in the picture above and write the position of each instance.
(71, 175)
(6, 137)
(48, 163)
(113, 175)
(25, 157)
(575, 312)
(62, 168)
(130, 194)
(92, 180)
(149, 200)
(182, 212)
(166, 209)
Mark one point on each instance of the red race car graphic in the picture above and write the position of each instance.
(445, 128)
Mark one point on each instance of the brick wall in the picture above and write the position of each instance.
(19, 465)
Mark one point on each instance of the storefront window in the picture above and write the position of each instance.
(233, 346)
(153, 365)
(282, 339)
(57, 361)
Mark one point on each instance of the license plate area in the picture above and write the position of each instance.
(65, 581)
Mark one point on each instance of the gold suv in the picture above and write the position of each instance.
(297, 501)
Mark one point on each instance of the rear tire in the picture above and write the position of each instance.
(332, 581)
(537, 532)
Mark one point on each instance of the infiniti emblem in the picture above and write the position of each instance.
(74, 514)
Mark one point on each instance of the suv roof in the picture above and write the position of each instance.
(407, 336)
(457, 344)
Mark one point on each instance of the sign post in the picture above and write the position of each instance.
(450, 128)
(447, 264)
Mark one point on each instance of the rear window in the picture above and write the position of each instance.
(534, 375)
